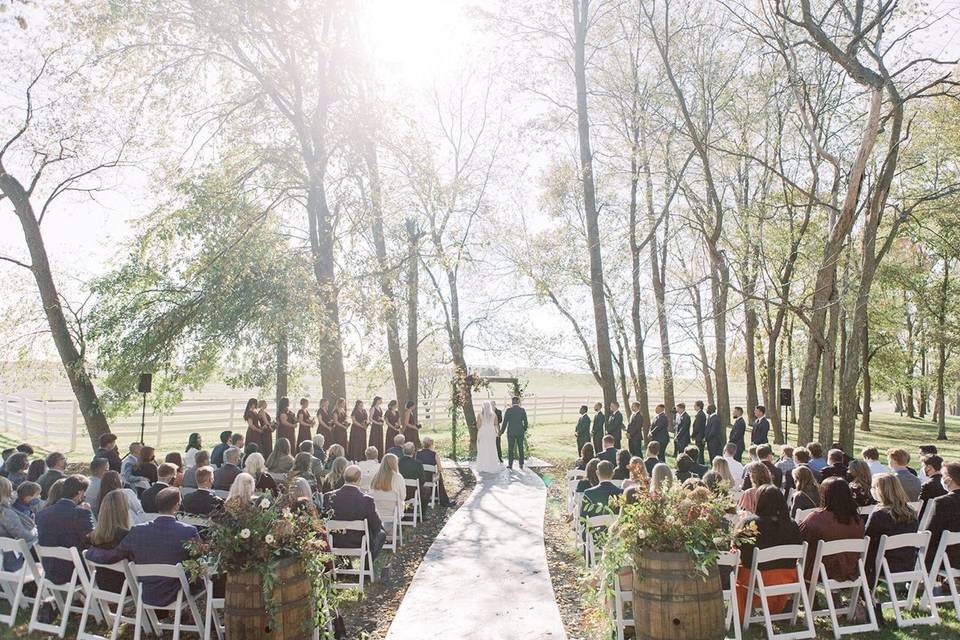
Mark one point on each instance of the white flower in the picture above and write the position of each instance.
(286, 512)
(718, 541)
(245, 534)
(641, 534)
(264, 504)
(268, 539)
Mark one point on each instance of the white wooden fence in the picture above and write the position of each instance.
(58, 425)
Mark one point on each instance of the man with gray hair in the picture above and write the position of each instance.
(397, 449)
(224, 476)
(349, 502)
(412, 469)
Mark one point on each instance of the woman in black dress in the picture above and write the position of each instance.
(286, 422)
(325, 423)
(376, 426)
(340, 435)
(266, 429)
(392, 417)
(411, 430)
(356, 451)
(252, 417)
(305, 422)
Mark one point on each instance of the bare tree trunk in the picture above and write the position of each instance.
(828, 374)
(283, 366)
(922, 406)
(750, 336)
(71, 357)
(941, 409)
(867, 380)
(643, 395)
(793, 405)
(581, 22)
(911, 363)
(702, 346)
(413, 294)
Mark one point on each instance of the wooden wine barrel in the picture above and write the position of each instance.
(245, 610)
(672, 600)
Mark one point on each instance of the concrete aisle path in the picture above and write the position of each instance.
(486, 576)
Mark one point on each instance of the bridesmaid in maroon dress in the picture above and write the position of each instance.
(286, 422)
(411, 430)
(339, 427)
(358, 433)
(392, 416)
(376, 426)
(325, 423)
(305, 422)
(266, 430)
(252, 420)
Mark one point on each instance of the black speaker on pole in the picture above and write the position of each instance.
(786, 397)
(145, 384)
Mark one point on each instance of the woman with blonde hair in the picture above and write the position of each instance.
(333, 452)
(388, 481)
(759, 476)
(301, 495)
(893, 516)
(280, 460)
(257, 467)
(242, 489)
(638, 473)
(661, 479)
(113, 525)
(334, 479)
(722, 469)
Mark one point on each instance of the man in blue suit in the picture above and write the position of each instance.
(596, 499)
(515, 425)
(609, 452)
(65, 523)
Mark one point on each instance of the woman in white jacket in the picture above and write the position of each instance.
(14, 524)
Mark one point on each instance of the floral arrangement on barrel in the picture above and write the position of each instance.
(685, 519)
(252, 537)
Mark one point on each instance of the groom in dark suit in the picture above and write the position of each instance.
(515, 425)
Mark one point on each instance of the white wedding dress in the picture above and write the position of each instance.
(487, 460)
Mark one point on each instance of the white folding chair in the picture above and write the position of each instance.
(943, 569)
(433, 486)
(147, 613)
(596, 525)
(185, 491)
(572, 493)
(618, 483)
(797, 590)
(98, 599)
(802, 514)
(61, 595)
(149, 517)
(197, 521)
(13, 582)
(221, 493)
(867, 510)
(730, 561)
(213, 619)
(914, 578)
(416, 514)
(362, 553)
(916, 505)
(831, 586)
(621, 597)
(390, 516)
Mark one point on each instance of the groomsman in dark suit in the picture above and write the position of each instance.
(682, 439)
(660, 430)
(738, 431)
(615, 425)
(699, 427)
(635, 431)
(713, 434)
(598, 422)
(761, 426)
(583, 429)
(515, 421)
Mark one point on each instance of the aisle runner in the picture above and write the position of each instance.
(486, 576)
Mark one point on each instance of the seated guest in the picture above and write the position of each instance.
(15, 524)
(16, 467)
(201, 459)
(397, 449)
(224, 476)
(161, 541)
(871, 455)
(111, 482)
(721, 468)
(108, 450)
(591, 479)
(248, 449)
(113, 525)
(334, 478)
(892, 517)
(932, 487)
(638, 474)
(280, 460)
(412, 469)
(899, 459)
(758, 475)
(6, 454)
(176, 460)
(596, 499)
(98, 467)
(203, 501)
(684, 466)
(586, 455)
(860, 478)
(242, 489)
(946, 515)
(752, 454)
(56, 489)
(194, 444)
(369, 467)
(774, 527)
(237, 441)
(653, 456)
(301, 495)
(334, 451)
(609, 452)
(316, 464)
(28, 499)
(216, 456)
(257, 467)
(622, 470)
(765, 457)
(736, 467)
(801, 458)
(129, 463)
(846, 459)
(786, 465)
(318, 448)
(65, 524)
(817, 461)
(837, 519)
(301, 467)
(146, 466)
(694, 454)
(36, 469)
(386, 487)
(350, 503)
(661, 479)
(806, 492)
(56, 467)
(166, 472)
(836, 468)
(428, 456)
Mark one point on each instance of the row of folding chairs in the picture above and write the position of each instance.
(916, 505)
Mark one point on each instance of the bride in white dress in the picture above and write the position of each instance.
(487, 460)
